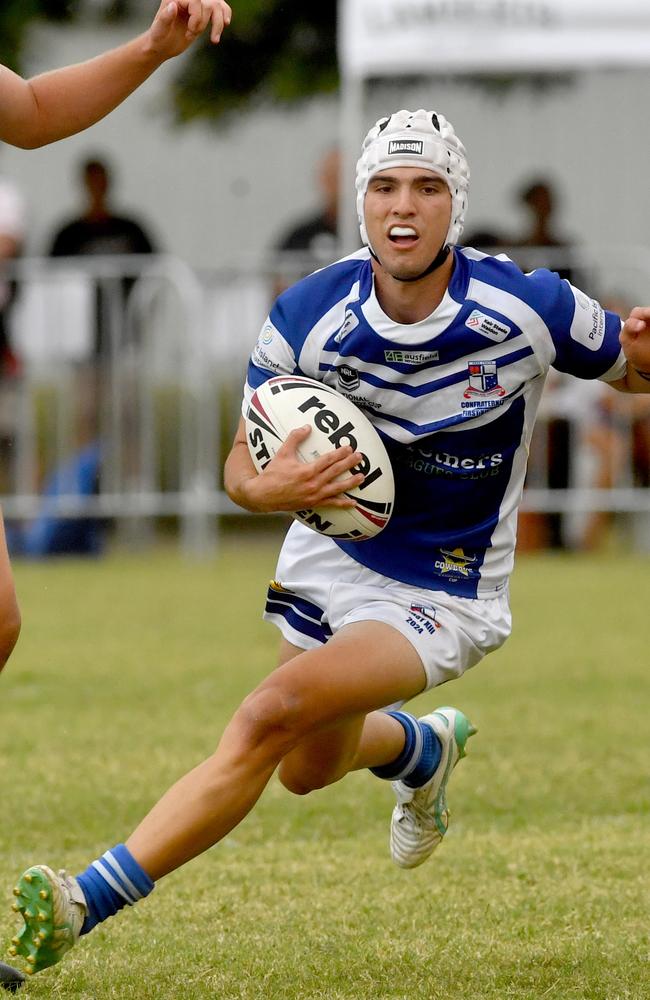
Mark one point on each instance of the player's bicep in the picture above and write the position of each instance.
(17, 108)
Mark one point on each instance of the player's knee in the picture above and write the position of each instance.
(270, 715)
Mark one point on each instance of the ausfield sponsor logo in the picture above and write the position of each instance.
(415, 146)
(487, 325)
(411, 357)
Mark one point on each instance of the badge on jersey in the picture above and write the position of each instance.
(487, 325)
(483, 380)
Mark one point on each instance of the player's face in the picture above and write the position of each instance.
(407, 213)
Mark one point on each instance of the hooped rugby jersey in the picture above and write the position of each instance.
(453, 397)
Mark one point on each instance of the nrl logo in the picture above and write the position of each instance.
(348, 377)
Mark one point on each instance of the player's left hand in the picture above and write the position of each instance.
(179, 22)
(635, 338)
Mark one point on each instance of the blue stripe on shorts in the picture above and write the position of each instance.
(302, 615)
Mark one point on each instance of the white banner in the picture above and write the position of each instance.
(406, 37)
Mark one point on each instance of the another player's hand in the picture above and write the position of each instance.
(179, 22)
(635, 339)
(288, 483)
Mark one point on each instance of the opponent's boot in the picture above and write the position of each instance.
(54, 909)
(420, 818)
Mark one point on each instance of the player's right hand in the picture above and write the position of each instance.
(289, 484)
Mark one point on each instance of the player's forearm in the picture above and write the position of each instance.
(67, 100)
(240, 478)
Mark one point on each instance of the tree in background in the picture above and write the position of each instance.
(279, 51)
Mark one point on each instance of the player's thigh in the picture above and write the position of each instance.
(365, 666)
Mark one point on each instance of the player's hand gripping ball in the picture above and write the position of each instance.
(287, 402)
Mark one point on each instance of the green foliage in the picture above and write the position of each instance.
(14, 17)
(274, 51)
(125, 674)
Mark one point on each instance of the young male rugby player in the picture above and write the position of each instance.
(450, 348)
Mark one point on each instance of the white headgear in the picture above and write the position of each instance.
(411, 139)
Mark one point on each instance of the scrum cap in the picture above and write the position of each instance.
(416, 139)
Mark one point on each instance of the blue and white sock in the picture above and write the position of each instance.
(420, 757)
(113, 881)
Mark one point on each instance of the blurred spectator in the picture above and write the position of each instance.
(12, 234)
(487, 240)
(552, 437)
(100, 231)
(540, 199)
(311, 242)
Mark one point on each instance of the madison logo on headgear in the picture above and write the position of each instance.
(405, 146)
(483, 380)
(348, 377)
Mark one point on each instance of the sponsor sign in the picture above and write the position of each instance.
(588, 326)
(410, 146)
(487, 325)
(411, 357)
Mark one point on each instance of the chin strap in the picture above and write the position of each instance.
(437, 261)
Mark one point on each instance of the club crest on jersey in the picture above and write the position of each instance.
(487, 325)
(348, 377)
(349, 323)
(483, 380)
(455, 564)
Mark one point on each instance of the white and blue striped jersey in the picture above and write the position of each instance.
(453, 397)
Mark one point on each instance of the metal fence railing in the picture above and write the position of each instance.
(143, 360)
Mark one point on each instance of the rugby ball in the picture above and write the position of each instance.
(286, 402)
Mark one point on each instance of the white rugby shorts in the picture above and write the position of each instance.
(318, 589)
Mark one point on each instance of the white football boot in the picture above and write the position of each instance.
(420, 818)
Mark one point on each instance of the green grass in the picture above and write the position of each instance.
(124, 676)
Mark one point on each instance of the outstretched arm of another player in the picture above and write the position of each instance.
(287, 483)
(9, 612)
(67, 100)
(635, 341)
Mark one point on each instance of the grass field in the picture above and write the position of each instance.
(128, 668)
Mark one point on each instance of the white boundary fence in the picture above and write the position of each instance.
(164, 399)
